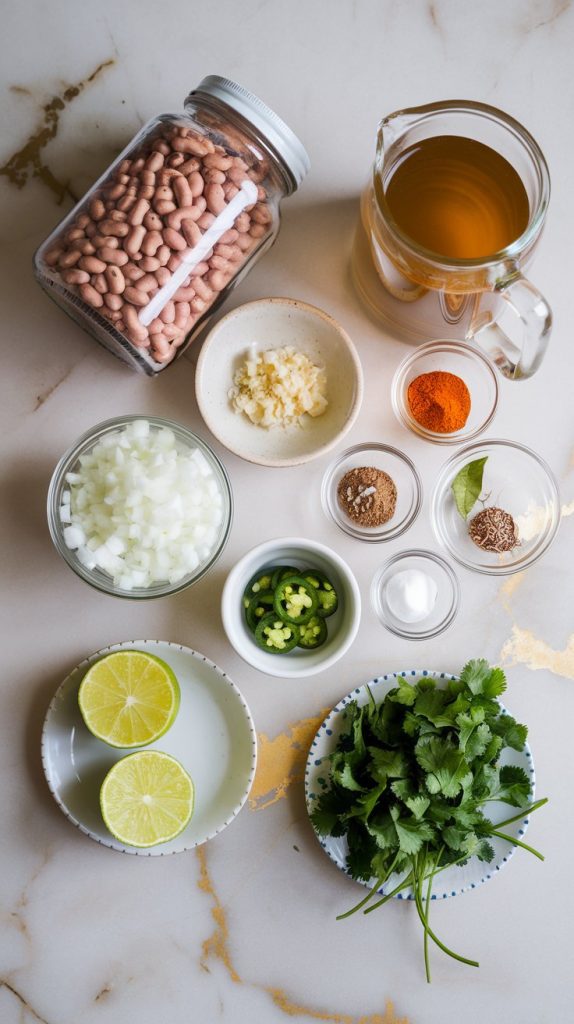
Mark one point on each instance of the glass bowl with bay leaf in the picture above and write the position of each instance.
(496, 507)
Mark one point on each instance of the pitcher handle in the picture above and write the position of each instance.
(519, 354)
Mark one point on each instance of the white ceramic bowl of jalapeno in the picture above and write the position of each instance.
(291, 607)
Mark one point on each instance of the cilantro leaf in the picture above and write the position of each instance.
(492, 749)
(326, 814)
(474, 674)
(417, 805)
(365, 804)
(412, 834)
(510, 731)
(432, 704)
(384, 832)
(481, 679)
(362, 849)
(387, 726)
(508, 783)
(453, 836)
(386, 764)
(485, 851)
(474, 733)
(444, 764)
(496, 683)
(411, 724)
(380, 865)
(404, 693)
(344, 777)
(515, 787)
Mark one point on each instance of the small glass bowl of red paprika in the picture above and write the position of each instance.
(445, 391)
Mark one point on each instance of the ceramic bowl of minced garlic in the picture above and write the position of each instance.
(278, 382)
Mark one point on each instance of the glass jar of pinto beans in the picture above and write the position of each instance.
(152, 250)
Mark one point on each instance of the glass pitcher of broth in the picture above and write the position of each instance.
(449, 221)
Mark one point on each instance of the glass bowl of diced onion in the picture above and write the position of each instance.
(140, 507)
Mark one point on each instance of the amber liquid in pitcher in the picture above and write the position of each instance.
(456, 197)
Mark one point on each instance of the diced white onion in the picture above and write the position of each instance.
(142, 508)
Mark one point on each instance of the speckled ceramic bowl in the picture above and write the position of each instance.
(453, 880)
(342, 626)
(273, 323)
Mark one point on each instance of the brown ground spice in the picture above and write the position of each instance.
(493, 529)
(367, 495)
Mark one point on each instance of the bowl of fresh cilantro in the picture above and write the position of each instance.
(419, 785)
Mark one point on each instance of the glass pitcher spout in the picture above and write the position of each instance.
(400, 129)
(391, 130)
(392, 127)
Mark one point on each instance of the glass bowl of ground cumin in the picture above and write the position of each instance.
(372, 492)
(445, 391)
(515, 517)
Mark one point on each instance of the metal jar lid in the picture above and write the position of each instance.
(288, 148)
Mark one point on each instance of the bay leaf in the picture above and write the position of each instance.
(467, 485)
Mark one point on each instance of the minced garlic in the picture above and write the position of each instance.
(277, 387)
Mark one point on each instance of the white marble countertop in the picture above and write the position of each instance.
(243, 929)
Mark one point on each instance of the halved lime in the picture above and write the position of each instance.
(128, 698)
(146, 798)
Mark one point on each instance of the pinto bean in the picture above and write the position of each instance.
(91, 296)
(115, 280)
(74, 276)
(117, 257)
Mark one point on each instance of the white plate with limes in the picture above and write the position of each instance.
(212, 737)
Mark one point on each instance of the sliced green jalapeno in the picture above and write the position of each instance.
(281, 572)
(313, 633)
(328, 600)
(295, 600)
(258, 606)
(275, 636)
(258, 583)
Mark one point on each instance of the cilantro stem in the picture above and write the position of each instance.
(402, 885)
(418, 880)
(426, 930)
(361, 904)
(427, 912)
(522, 813)
(380, 881)
(451, 864)
(516, 842)
(435, 938)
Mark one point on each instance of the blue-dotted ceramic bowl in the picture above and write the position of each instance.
(453, 880)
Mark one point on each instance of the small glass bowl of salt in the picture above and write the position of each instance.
(415, 594)
(140, 507)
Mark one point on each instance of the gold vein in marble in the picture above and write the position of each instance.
(509, 588)
(524, 648)
(16, 917)
(284, 1003)
(49, 391)
(281, 761)
(216, 947)
(25, 1005)
(554, 11)
(27, 161)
